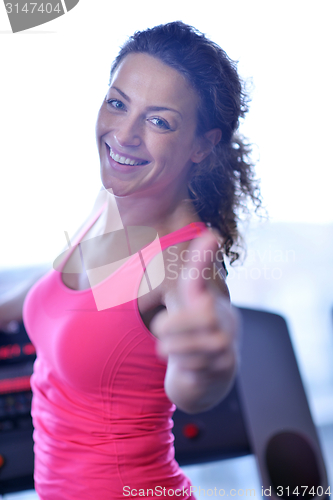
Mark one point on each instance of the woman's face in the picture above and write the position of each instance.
(146, 128)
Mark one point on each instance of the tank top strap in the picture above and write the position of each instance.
(60, 262)
(186, 233)
(189, 232)
(154, 249)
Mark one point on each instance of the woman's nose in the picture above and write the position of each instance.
(128, 133)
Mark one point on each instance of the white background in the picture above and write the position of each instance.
(54, 77)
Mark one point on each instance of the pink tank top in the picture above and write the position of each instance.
(102, 421)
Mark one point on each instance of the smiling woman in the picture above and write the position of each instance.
(148, 119)
(119, 340)
(222, 182)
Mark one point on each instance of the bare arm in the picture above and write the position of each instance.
(11, 301)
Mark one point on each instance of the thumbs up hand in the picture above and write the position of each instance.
(199, 337)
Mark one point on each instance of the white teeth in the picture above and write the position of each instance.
(123, 160)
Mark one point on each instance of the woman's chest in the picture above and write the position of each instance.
(84, 346)
(112, 274)
(146, 277)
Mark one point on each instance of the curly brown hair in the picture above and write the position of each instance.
(221, 185)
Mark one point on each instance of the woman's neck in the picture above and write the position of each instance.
(163, 214)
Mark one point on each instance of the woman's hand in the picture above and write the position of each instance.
(199, 338)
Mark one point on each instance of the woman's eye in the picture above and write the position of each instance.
(115, 103)
(160, 123)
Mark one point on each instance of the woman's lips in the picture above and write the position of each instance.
(123, 163)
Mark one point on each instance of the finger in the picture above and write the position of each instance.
(159, 323)
(217, 364)
(202, 253)
(203, 317)
(229, 318)
(210, 342)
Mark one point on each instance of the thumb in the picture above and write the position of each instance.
(194, 282)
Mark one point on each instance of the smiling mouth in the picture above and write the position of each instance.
(123, 160)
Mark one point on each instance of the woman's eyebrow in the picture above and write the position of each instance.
(122, 94)
(163, 108)
(149, 108)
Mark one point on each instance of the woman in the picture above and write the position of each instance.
(117, 350)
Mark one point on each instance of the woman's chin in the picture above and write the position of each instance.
(115, 186)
